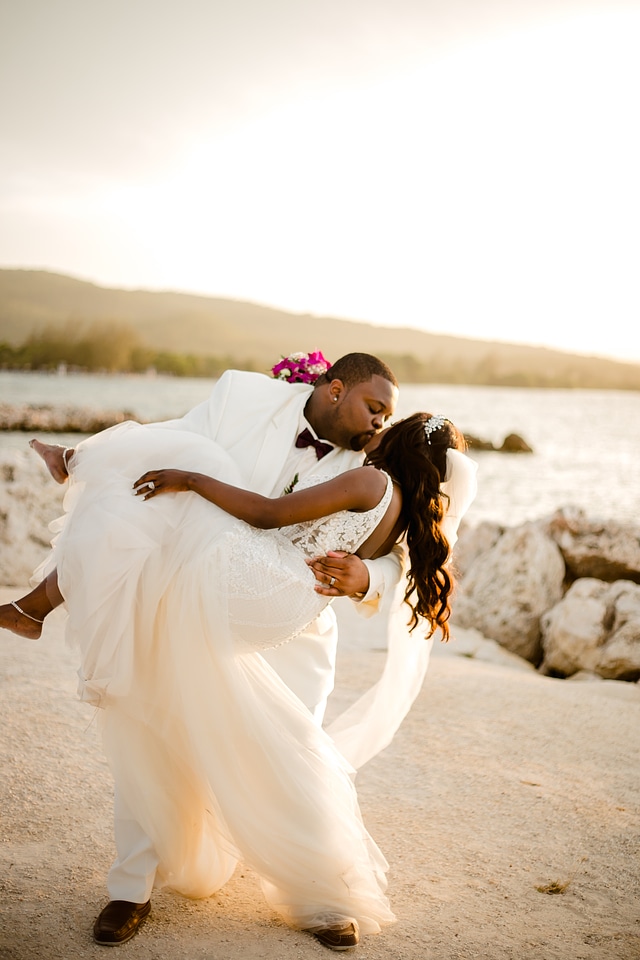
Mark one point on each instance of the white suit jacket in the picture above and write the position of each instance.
(255, 418)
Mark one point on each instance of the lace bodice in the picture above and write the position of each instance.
(345, 530)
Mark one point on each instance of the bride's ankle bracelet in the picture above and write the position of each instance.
(24, 612)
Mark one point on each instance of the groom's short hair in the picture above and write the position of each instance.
(355, 368)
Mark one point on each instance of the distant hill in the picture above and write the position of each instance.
(256, 336)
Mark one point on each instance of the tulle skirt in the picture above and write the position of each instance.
(170, 602)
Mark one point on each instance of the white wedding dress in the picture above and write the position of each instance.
(170, 602)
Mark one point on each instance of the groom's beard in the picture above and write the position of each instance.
(360, 440)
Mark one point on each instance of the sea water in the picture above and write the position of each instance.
(586, 443)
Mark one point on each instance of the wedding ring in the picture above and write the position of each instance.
(332, 581)
(151, 485)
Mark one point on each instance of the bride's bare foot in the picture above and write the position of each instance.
(11, 619)
(53, 456)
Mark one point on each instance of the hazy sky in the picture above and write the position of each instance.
(463, 166)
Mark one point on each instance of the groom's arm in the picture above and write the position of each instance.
(385, 574)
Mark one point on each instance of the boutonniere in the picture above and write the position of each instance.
(289, 487)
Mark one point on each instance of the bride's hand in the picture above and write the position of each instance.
(154, 482)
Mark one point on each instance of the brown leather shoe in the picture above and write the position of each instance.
(337, 937)
(119, 921)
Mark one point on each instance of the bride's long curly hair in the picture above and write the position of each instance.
(418, 464)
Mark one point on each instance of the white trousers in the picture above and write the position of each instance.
(133, 873)
(307, 666)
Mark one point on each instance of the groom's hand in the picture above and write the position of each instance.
(340, 574)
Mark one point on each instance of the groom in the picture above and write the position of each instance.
(272, 430)
(258, 421)
(278, 433)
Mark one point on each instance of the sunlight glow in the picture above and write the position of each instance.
(492, 193)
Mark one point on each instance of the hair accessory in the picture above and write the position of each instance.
(432, 424)
(301, 367)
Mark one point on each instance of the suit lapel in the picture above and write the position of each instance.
(258, 423)
(278, 437)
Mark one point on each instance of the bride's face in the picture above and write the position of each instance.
(375, 440)
(362, 412)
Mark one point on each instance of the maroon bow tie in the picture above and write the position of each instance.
(306, 439)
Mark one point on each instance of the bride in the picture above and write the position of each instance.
(174, 583)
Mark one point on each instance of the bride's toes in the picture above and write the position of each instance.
(53, 456)
(13, 619)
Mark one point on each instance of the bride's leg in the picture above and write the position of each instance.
(56, 458)
(26, 615)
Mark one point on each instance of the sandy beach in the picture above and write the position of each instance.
(508, 807)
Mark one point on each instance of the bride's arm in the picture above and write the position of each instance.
(358, 489)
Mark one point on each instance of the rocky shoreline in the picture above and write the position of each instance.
(561, 593)
(47, 418)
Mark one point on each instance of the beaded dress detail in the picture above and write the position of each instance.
(346, 528)
(270, 588)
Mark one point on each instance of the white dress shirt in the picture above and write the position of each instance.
(301, 461)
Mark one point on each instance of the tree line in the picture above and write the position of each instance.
(106, 347)
(115, 347)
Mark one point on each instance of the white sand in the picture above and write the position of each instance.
(499, 782)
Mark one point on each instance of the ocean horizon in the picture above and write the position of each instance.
(586, 443)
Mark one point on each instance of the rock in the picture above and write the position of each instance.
(47, 419)
(506, 589)
(475, 443)
(592, 548)
(472, 644)
(513, 443)
(29, 501)
(473, 542)
(574, 630)
(584, 676)
(594, 628)
(611, 688)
